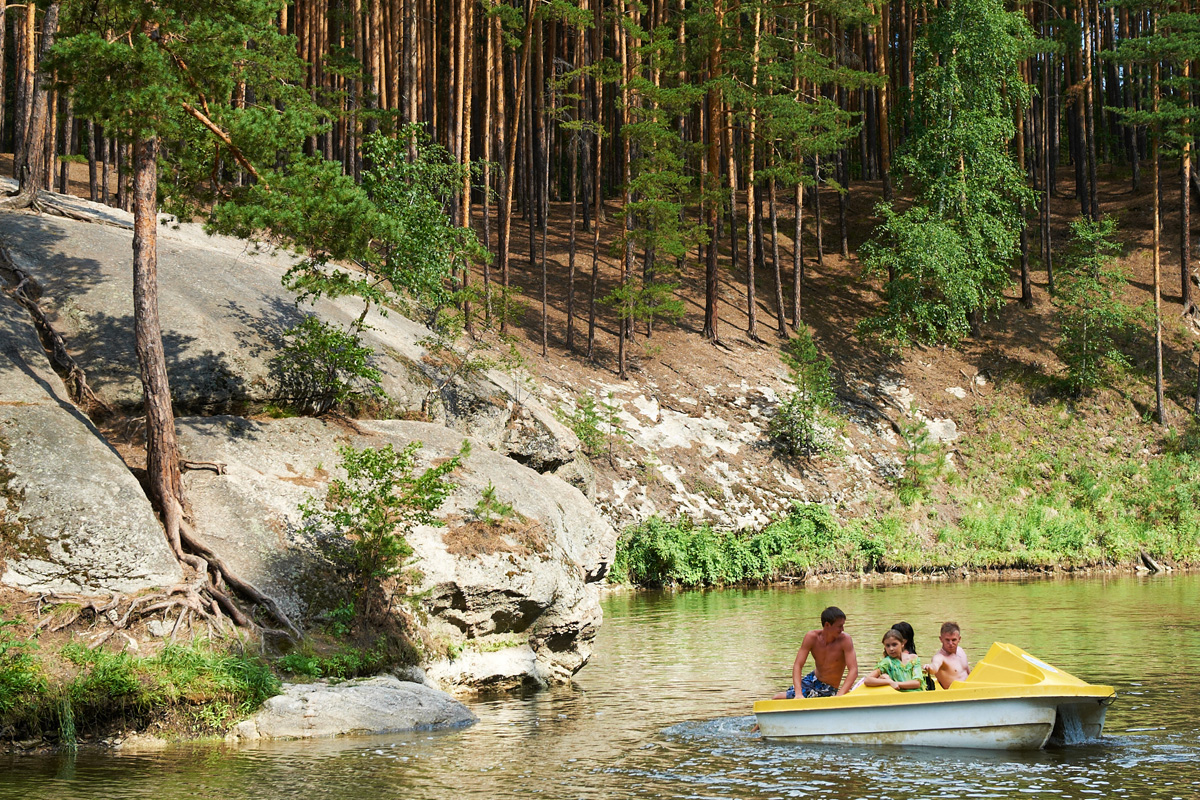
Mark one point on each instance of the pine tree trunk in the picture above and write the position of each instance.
(1047, 159)
(69, 145)
(544, 203)
(1026, 284)
(105, 160)
(817, 226)
(1185, 202)
(33, 170)
(713, 105)
(468, 99)
(1160, 403)
(511, 163)
(3, 69)
(779, 307)
(751, 205)
(162, 456)
(882, 42)
(1088, 17)
(624, 323)
(597, 183)
(574, 212)
(93, 177)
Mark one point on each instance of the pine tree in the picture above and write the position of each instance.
(165, 87)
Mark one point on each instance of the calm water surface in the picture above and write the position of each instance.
(663, 711)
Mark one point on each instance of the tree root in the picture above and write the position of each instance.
(68, 369)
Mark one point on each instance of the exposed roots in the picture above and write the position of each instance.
(26, 291)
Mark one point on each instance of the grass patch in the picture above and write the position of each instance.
(78, 693)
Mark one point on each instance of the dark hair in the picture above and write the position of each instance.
(950, 627)
(832, 615)
(906, 631)
(894, 634)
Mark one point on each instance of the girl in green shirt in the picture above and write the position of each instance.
(897, 668)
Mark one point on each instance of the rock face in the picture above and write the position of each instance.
(510, 599)
(383, 704)
(224, 314)
(513, 600)
(72, 516)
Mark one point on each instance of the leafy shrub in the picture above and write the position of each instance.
(661, 552)
(361, 521)
(1088, 304)
(795, 426)
(321, 366)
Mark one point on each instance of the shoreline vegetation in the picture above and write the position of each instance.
(58, 691)
(1048, 499)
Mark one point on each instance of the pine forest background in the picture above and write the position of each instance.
(721, 137)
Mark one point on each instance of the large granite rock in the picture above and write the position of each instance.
(224, 313)
(514, 602)
(72, 516)
(383, 704)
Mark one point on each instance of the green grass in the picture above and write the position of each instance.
(190, 689)
(342, 664)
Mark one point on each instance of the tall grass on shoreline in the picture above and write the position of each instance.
(1032, 506)
(189, 689)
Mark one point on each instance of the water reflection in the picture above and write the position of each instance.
(662, 711)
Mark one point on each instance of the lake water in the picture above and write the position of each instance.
(663, 710)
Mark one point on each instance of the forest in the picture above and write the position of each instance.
(712, 130)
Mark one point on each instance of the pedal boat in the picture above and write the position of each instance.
(1010, 701)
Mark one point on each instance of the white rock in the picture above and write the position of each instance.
(383, 704)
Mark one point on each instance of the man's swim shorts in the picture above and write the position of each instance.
(810, 686)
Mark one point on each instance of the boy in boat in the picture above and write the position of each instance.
(833, 654)
(949, 663)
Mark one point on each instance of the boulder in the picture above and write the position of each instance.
(383, 704)
(224, 312)
(72, 516)
(522, 584)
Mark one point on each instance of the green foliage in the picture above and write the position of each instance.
(684, 553)
(210, 689)
(362, 520)
(796, 425)
(179, 54)
(1173, 40)
(947, 258)
(21, 676)
(192, 688)
(1088, 306)
(924, 461)
(598, 425)
(321, 366)
(490, 509)
(344, 663)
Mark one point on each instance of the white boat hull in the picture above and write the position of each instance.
(999, 724)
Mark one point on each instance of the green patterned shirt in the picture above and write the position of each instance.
(900, 672)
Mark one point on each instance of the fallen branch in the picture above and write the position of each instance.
(215, 466)
(1150, 563)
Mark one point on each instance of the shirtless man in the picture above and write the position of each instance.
(833, 654)
(950, 663)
